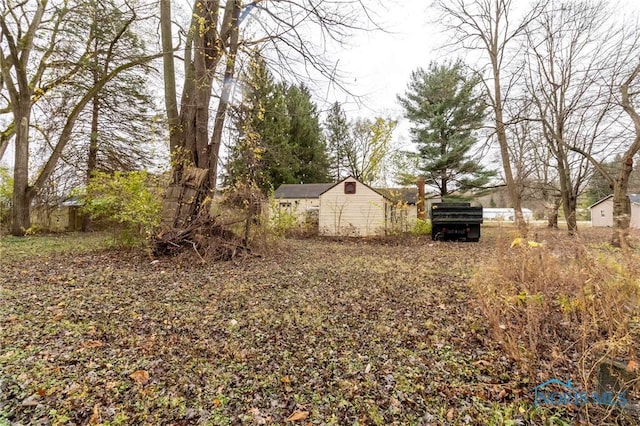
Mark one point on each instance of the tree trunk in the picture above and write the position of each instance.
(552, 207)
(622, 204)
(92, 160)
(514, 194)
(216, 137)
(169, 73)
(20, 213)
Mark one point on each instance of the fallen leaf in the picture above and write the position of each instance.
(285, 380)
(632, 366)
(298, 415)
(41, 392)
(95, 417)
(92, 344)
(450, 414)
(141, 377)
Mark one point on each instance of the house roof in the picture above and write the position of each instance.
(405, 195)
(634, 198)
(302, 190)
(351, 177)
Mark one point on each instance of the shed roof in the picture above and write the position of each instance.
(359, 181)
(634, 198)
(302, 190)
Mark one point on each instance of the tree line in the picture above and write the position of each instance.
(551, 91)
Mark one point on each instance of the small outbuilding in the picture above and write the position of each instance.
(602, 211)
(353, 208)
(301, 200)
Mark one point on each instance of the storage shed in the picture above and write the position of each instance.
(352, 208)
(602, 211)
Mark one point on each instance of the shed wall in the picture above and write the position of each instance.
(359, 214)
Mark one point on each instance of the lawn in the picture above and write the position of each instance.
(311, 332)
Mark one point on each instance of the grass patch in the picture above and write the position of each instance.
(39, 246)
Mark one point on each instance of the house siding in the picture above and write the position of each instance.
(602, 214)
(359, 214)
(298, 206)
(635, 215)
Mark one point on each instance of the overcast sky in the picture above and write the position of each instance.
(377, 64)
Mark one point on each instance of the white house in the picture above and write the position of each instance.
(602, 211)
(302, 200)
(352, 208)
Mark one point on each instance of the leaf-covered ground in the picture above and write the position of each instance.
(313, 332)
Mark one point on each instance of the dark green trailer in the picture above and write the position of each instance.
(455, 221)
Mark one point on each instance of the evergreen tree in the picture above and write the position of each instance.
(278, 134)
(445, 108)
(337, 135)
(261, 154)
(305, 137)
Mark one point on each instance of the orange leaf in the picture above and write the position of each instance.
(450, 414)
(141, 377)
(298, 415)
(632, 365)
(41, 392)
(285, 380)
(216, 403)
(95, 417)
(92, 344)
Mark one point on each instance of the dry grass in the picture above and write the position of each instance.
(564, 307)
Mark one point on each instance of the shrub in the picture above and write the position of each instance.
(6, 193)
(421, 227)
(566, 307)
(128, 199)
(282, 221)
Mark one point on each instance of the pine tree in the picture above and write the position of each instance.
(305, 137)
(337, 135)
(260, 156)
(279, 139)
(446, 110)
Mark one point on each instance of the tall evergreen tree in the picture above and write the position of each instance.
(337, 135)
(279, 137)
(260, 155)
(305, 137)
(446, 109)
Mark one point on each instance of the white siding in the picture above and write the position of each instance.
(635, 215)
(298, 206)
(359, 214)
(602, 213)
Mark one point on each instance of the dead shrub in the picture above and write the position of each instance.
(561, 306)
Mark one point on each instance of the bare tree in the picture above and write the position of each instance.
(30, 73)
(564, 55)
(486, 26)
(218, 33)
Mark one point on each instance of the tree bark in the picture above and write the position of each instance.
(621, 202)
(169, 72)
(622, 205)
(216, 137)
(21, 202)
